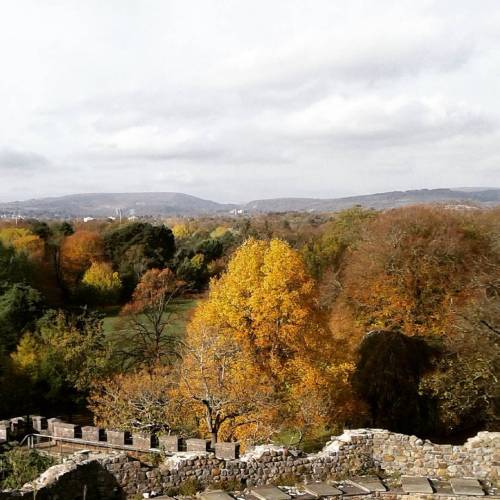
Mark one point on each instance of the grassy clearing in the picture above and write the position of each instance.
(181, 308)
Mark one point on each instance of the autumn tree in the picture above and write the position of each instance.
(214, 376)
(266, 306)
(323, 398)
(78, 251)
(49, 272)
(421, 271)
(266, 300)
(147, 336)
(325, 253)
(23, 241)
(138, 401)
(63, 356)
(220, 232)
(181, 231)
(101, 283)
(466, 379)
(414, 268)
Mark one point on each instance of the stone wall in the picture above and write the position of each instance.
(397, 453)
(354, 452)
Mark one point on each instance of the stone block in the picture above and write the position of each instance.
(169, 443)
(20, 421)
(227, 451)
(269, 493)
(38, 423)
(318, 490)
(197, 445)
(142, 440)
(65, 430)
(115, 437)
(467, 487)
(215, 495)
(416, 484)
(51, 422)
(370, 483)
(91, 433)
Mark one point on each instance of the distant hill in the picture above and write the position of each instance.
(392, 199)
(169, 204)
(106, 204)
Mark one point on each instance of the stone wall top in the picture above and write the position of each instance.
(353, 452)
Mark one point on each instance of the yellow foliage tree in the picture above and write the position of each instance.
(267, 301)
(102, 281)
(181, 231)
(24, 241)
(266, 304)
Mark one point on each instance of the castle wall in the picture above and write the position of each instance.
(355, 452)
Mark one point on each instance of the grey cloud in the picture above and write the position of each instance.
(21, 160)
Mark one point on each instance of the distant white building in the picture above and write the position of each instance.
(88, 219)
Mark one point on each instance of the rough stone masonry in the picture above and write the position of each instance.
(354, 452)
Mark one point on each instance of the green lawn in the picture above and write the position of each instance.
(181, 307)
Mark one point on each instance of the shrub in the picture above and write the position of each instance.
(20, 466)
(227, 485)
(190, 487)
(287, 480)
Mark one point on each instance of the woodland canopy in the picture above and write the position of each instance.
(280, 327)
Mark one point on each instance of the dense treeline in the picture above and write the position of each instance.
(389, 319)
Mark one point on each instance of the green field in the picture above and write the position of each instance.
(181, 308)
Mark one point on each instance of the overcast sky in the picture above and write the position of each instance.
(236, 100)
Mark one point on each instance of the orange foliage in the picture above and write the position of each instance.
(414, 269)
(78, 251)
